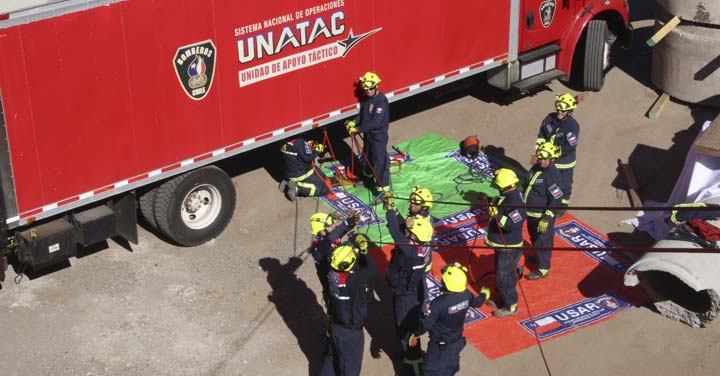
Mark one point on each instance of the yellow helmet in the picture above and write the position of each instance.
(343, 258)
(319, 222)
(454, 277)
(369, 80)
(421, 196)
(505, 177)
(421, 227)
(547, 150)
(565, 102)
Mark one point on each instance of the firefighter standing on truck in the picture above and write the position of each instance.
(545, 188)
(302, 179)
(561, 129)
(504, 234)
(409, 262)
(373, 121)
(351, 271)
(445, 320)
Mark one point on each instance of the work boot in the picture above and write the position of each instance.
(491, 303)
(506, 311)
(291, 191)
(413, 367)
(538, 274)
(283, 185)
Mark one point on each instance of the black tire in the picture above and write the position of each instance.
(147, 207)
(596, 49)
(196, 206)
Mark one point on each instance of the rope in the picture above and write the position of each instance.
(367, 160)
(395, 163)
(344, 180)
(579, 208)
(575, 249)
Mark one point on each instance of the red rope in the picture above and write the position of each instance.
(367, 161)
(342, 178)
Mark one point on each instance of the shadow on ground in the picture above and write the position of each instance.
(661, 166)
(298, 306)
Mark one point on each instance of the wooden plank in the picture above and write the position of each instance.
(658, 107)
(660, 34)
(631, 186)
(709, 141)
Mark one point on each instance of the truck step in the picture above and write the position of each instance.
(538, 53)
(538, 80)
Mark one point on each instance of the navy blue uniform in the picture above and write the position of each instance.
(373, 120)
(299, 157)
(565, 134)
(445, 320)
(349, 296)
(320, 249)
(507, 225)
(679, 216)
(544, 188)
(406, 278)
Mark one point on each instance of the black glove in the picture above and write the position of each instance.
(352, 219)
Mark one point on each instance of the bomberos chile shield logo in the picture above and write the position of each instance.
(547, 12)
(195, 66)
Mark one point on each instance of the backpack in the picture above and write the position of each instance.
(685, 232)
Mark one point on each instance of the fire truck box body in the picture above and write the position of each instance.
(100, 98)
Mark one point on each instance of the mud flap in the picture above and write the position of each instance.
(126, 214)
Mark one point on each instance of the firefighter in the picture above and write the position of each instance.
(420, 202)
(545, 187)
(561, 129)
(504, 234)
(445, 320)
(372, 121)
(351, 271)
(409, 263)
(326, 237)
(302, 179)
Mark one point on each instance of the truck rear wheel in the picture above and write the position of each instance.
(196, 206)
(597, 55)
(147, 207)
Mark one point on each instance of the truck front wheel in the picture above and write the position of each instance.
(196, 206)
(597, 55)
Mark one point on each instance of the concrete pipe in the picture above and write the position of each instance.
(701, 11)
(686, 64)
(683, 286)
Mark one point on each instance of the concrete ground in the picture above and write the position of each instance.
(247, 303)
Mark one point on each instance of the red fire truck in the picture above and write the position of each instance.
(103, 100)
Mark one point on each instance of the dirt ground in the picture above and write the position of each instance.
(247, 303)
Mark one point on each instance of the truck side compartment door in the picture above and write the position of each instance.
(544, 21)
